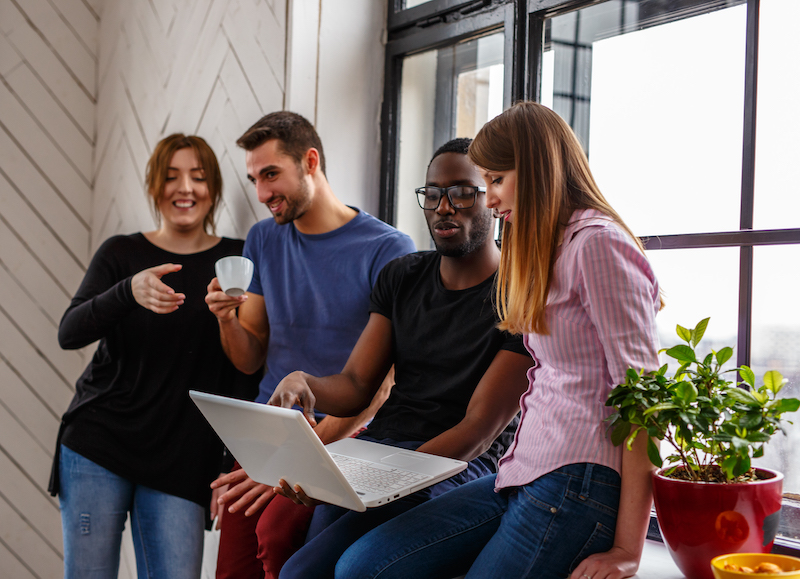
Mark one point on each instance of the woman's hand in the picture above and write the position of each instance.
(153, 294)
(614, 564)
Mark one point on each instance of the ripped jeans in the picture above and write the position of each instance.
(541, 530)
(167, 530)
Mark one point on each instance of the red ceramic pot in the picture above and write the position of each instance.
(700, 521)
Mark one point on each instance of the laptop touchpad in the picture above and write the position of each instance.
(403, 459)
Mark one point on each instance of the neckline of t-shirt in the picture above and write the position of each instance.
(151, 244)
(338, 231)
(440, 285)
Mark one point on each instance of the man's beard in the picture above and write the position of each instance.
(296, 207)
(476, 239)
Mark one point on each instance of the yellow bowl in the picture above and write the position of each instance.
(790, 565)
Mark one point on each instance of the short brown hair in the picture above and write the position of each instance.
(295, 134)
(157, 166)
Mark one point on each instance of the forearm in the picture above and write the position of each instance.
(339, 395)
(243, 349)
(335, 428)
(89, 319)
(465, 441)
(636, 499)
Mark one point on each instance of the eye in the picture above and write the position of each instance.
(169, 178)
(497, 180)
(200, 179)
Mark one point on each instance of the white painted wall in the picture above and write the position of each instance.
(87, 87)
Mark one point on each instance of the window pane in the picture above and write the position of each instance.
(657, 101)
(697, 284)
(776, 346)
(445, 93)
(777, 146)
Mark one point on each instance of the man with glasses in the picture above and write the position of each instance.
(458, 378)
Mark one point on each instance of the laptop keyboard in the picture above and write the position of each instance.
(375, 478)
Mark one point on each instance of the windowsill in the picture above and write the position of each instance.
(656, 563)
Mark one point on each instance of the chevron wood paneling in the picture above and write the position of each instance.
(48, 63)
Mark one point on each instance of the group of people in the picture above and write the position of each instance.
(501, 357)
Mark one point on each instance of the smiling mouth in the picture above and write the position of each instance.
(501, 214)
(184, 204)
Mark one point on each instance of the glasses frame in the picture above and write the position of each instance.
(445, 191)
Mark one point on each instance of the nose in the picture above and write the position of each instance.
(491, 199)
(185, 183)
(264, 192)
(444, 206)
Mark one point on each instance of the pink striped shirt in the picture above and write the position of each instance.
(601, 313)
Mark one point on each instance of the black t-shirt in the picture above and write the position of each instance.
(443, 342)
(131, 412)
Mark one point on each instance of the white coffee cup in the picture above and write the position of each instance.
(234, 274)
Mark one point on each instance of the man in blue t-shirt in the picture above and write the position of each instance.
(315, 264)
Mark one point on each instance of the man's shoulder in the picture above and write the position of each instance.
(369, 225)
(410, 265)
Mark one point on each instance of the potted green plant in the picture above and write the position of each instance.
(709, 498)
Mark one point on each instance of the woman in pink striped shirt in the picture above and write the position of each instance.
(575, 282)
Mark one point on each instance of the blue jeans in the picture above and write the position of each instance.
(333, 529)
(541, 530)
(167, 530)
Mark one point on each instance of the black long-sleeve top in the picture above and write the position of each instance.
(131, 413)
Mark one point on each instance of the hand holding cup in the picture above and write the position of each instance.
(234, 274)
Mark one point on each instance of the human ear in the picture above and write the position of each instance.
(312, 160)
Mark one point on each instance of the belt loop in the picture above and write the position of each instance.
(587, 479)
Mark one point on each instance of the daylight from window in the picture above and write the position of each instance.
(665, 143)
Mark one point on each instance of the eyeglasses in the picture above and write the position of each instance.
(459, 196)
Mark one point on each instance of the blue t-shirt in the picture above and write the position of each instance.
(316, 290)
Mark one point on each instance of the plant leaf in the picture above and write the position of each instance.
(686, 392)
(786, 405)
(682, 353)
(659, 407)
(653, 454)
(699, 331)
(724, 355)
(743, 396)
(683, 333)
(620, 431)
(774, 381)
(748, 376)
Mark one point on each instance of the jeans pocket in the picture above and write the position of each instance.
(600, 541)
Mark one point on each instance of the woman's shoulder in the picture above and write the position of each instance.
(123, 242)
(231, 244)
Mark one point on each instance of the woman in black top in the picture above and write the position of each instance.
(132, 440)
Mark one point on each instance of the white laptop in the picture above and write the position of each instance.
(274, 443)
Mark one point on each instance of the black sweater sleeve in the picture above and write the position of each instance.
(102, 300)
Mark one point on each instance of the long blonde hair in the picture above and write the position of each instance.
(553, 180)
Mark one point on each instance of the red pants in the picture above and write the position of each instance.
(256, 547)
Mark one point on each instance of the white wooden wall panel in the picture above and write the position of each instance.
(48, 62)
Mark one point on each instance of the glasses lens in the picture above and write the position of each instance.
(462, 197)
(429, 197)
